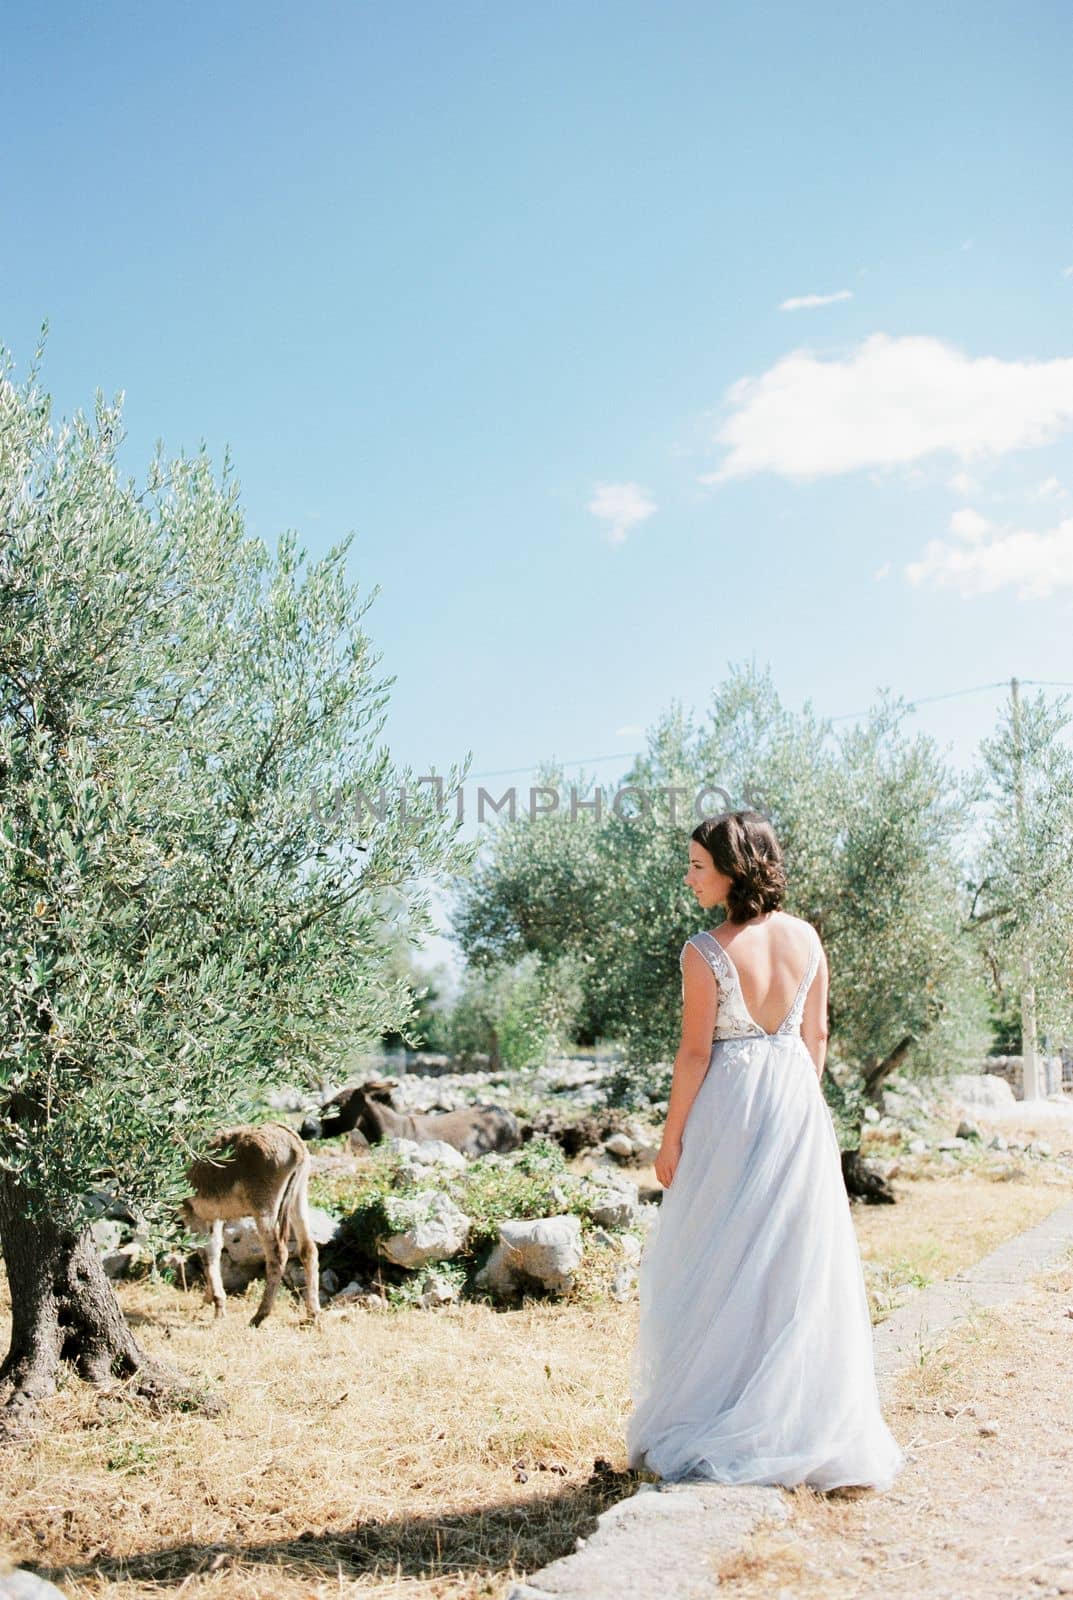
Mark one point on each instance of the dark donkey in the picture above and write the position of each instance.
(365, 1109)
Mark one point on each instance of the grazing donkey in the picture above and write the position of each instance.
(261, 1173)
(365, 1111)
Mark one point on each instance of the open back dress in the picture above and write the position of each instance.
(754, 1360)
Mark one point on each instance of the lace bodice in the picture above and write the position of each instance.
(733, 1020)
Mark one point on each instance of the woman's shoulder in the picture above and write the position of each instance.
(783, 920)
(779, 917)
(800, 925)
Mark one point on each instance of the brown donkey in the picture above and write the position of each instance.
(262, 1173)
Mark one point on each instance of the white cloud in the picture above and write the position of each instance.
(623, 505)
(809, 302)
(630, 731)
(1050, 489)
(961, 483)
(969, 525)
(1068, 273)
(892, 401)
(881, 572)
(1031, 563)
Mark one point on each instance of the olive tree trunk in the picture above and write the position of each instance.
(64, 1310)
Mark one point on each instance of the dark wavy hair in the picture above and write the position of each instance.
(743, 845)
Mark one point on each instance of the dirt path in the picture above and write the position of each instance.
(984, 1505)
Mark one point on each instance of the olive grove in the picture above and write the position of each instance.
(185, 918)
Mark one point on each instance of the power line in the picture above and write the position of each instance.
(930, 699)
(579, 761)
(844, 716)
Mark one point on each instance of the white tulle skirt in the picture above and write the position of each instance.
(754, 1359)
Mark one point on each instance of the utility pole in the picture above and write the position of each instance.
(1028, 988)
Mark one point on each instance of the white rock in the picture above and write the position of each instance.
(546, 1251)
(609, 1175)
(624, 1284)
(242, 1243)
(349, 1292)
(613, 1208)
(438, 1291)
(322, 1225)
(983, 1090)
(429, 1153)
(438, 1230)
(619, 1144)
(871, 1114)
(106, 1233)
(117, 1263)
(234, 1278)
(22, 1585)
(918, 1147)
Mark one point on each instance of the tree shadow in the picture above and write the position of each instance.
(503, 1535)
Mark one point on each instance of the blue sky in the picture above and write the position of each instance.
(509, 290)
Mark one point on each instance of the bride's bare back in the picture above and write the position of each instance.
(771, 956)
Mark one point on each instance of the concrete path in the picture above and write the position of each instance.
(667, 1542)
(996, 1280)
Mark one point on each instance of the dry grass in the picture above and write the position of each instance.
(377, 1454)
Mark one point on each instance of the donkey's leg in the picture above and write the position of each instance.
(275, 1248)
(307, 1245)
(211, 1254)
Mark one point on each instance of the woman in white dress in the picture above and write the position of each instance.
(754, 1359)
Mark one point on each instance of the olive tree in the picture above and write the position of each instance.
(190, 892)
(515, 1013)
(536, 889)
(1022, 904)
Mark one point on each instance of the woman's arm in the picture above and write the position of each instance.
(700, 1006)
(814, 1017)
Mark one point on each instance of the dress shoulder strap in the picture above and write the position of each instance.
(815, 951)
(711, 950)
